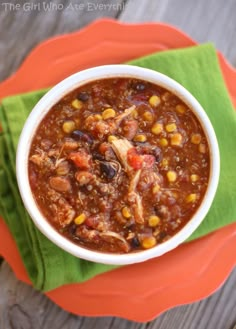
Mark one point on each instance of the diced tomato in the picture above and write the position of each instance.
(148, 160)
(81, 159)
(134, 159)
(138, 161)
(92, 221)
(104, 147)
(140, 98)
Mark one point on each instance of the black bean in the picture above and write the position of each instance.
(72, 229)
(135, 243)
(161, 210)
(98, 156)
(140, 86)
(84, 189)
(87, 138)
(108, 170)
(77, 134)
(80, 135)
(130, 225)
(157, 154)
(162, 235)
(83, 96)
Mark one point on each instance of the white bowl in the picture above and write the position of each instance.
(51, 98)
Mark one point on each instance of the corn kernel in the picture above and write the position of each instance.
(170, 127)
(196, 138)
(140, 138)
(97, 117)
(163, 142)
(202, 148)
(148, 116)
(156, 188)
(112, 138)
(164, 162)
(171, 176)
(176, 139)
(154, 100)
(153, 221)
(191, 198)
(157, 128)
(134, 114)
(180, 108)
(77, 104)
(149, 242)
(80, 219)
(108, 114)
(126, 212)
(68, 126)
(194, 178)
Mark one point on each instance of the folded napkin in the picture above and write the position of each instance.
(48, 266)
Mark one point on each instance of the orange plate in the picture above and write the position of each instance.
(137, 292)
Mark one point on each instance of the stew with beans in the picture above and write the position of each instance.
(119, 165)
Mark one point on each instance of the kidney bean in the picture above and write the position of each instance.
(130, 129)
(60, 184)
(84, 177)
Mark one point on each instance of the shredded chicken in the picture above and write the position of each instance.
(121, 147)
(123, 115)
(138, 209)
(88, 235)
(135, 197)
(114, 235)
(62, 210)
(134, 181)
(147, 179)
(42, 160)
(95, 236)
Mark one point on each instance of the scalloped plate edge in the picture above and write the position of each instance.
(8, 87)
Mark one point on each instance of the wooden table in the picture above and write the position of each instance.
(21, 28)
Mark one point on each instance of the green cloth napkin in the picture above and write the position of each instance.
(48, 266)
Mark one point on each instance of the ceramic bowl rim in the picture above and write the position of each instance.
(51, 98)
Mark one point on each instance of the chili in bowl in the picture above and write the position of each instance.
(118, 164)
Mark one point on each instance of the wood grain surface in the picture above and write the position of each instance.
(23, 26)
